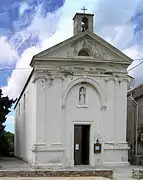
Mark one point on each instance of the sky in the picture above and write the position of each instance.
(30, 26)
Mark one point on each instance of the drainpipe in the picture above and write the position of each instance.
(137, 120)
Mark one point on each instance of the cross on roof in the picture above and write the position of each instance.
(83, 9)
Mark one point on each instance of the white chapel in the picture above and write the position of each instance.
(72, 109)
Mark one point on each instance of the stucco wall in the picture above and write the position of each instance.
(25, 115)
(57, 111)
(46, 125)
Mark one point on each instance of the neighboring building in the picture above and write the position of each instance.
(74, 100)
(135, 124)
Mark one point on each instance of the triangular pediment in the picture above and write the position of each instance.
(98, 48)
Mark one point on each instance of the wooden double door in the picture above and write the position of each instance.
(81, 144)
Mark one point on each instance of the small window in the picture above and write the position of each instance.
(83, 53)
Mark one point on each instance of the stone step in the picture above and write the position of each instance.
(57, 173)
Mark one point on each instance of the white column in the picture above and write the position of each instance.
(109, 119)
(41, 111)
(121, 110)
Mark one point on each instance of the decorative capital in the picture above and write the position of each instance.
(50, 79)
(35, 79)
(39, 77)
(119, 80)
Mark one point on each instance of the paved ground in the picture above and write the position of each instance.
(13, 164)
(124, 173)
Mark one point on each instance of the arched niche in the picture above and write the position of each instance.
(90, 81)
(84, 24)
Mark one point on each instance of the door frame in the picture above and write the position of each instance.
(91, 140)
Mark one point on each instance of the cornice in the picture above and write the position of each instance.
(79, 60)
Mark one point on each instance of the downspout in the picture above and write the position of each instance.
(137, 120)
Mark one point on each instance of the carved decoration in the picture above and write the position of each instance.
(98, 136)
(68, 74)
(75, 51)
(43, 83)
(99, 51)
(50, 80)
(84, 44)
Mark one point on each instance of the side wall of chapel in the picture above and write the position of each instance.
(25, 115)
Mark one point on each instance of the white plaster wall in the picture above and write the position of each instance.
(31, 120)
(108, 120)
(50, 122)
(16, 133)
(121, 110)
(48, 113)
(55, 122)
(50, 157)
(45, 130)
(24, 124)
(115, 147)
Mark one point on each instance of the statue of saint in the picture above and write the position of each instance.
(82, 96)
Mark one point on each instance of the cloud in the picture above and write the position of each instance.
(112, 13)
(24, 6)
(43, 27)
(136, 52)
(112, 21)
(8, 54)
(20, 74)
(40, 27)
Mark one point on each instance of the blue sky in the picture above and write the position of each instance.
(16, 16)
(30, 26)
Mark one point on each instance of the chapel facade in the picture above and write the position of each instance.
(72, 109)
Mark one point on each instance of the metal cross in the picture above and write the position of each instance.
(83, 9)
